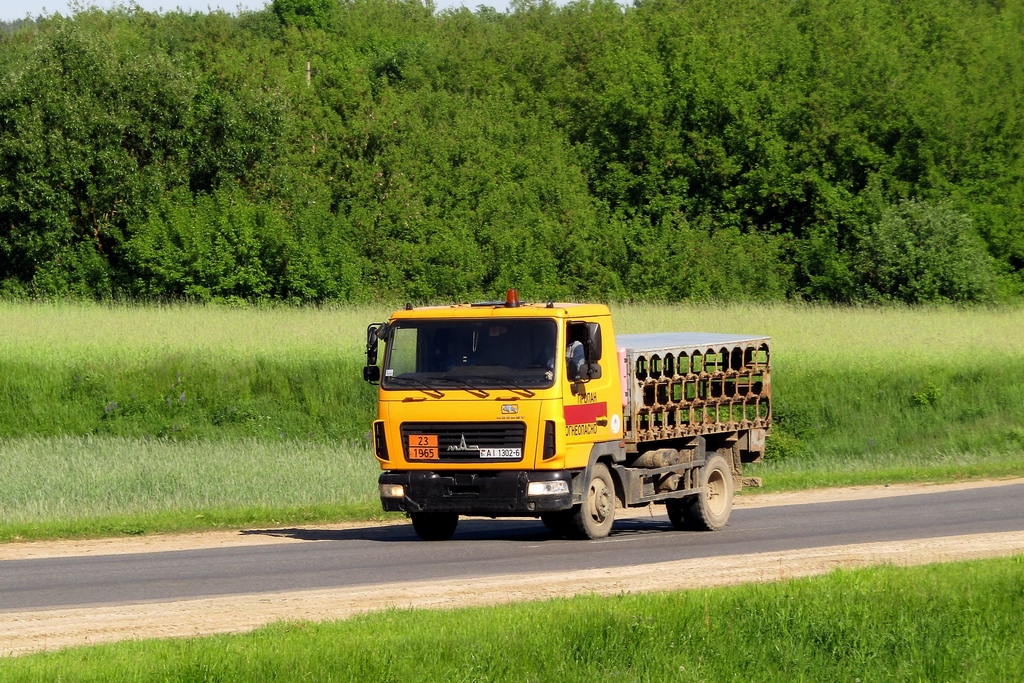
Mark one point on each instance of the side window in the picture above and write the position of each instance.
(582, 351)
(402, 358)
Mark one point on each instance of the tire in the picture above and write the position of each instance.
(709, 510)
(677, 512)
(559, 523)
(434, 526)
(594, 518)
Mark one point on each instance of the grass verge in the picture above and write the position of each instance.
(940, 622)
(881, 469)
(99, 486)
(76, 487)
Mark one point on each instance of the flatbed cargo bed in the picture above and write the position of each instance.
(685, 341)
(678, 385)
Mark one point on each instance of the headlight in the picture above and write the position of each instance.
(392, 491)
(547, 488)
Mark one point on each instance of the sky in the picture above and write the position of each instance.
(19, 9)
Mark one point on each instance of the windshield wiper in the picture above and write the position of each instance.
(506, 383)
(469, 386)
(419, 384)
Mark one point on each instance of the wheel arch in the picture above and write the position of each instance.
(609, 453)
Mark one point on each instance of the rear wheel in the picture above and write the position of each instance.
(677, 512)
(434, 526)
(709, 510)
(594, 518)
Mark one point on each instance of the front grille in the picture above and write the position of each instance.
(466, 441)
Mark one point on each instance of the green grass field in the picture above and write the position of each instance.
(183, 372)
(134, 419)
(100, 486)
(956, 622)
(127, 420)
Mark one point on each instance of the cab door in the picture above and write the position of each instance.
(591, 399)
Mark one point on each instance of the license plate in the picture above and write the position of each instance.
(423, 447)
(502, 453)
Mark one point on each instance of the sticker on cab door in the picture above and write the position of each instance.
(582, 419)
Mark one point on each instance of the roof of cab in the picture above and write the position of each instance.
(498, 309)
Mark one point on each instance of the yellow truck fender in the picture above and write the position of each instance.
(610, 453)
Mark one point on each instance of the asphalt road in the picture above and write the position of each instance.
(381, 555)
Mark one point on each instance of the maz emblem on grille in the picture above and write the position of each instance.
(462, 446)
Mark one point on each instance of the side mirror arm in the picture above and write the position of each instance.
(375, 332)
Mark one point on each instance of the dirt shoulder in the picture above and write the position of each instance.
(25, 632)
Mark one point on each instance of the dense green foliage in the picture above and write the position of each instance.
(957, 622)
(864, 150)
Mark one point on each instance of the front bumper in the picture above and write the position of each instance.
(487, 494)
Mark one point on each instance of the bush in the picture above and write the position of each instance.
(303, 12)
(921, 252)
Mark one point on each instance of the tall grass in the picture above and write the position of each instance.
(934, 623)
(183, 371)
(188, 395)
(860, 395)
(818, 337)
(893, 390)
(90, 485)
(126, 332)
(846, 381)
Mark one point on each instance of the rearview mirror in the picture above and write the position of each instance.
(371, 374)
(374, 333)
(594, 341)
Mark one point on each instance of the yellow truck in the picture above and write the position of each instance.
(509, 409)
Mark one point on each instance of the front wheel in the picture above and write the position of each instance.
(559, 523)
(594, 518)
(709, 510)
(434, 526)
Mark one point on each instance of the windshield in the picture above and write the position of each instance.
(475, 354)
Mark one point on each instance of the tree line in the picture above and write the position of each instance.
(357, 150)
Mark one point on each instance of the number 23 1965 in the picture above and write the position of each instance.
(423, 447)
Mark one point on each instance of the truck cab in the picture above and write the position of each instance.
(512, 409)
